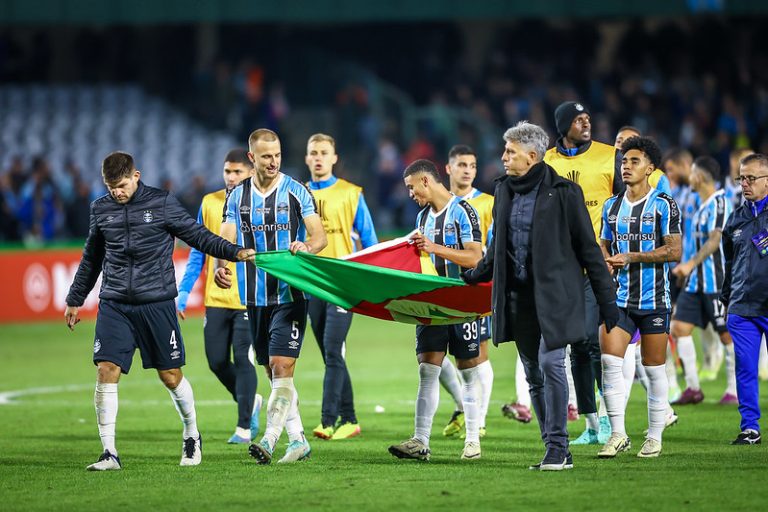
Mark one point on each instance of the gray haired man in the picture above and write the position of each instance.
(543, 242)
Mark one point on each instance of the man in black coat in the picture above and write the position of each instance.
(543, 241)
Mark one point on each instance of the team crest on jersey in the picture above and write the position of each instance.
(148, 217)
(282, 207)
(450, 230)
(648, 219)
(573, 175)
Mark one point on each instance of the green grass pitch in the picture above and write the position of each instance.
(48, 435)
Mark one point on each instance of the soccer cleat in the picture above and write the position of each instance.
(236, 439)
(455, 425)
(106, 462)
(261, 451)
(556, 459)
(690, 396)
(748, 436)
(297, 451)
(729, 399)
(671, 419)
(410, 449)
(480, 432)
(651, 448)
(616, 444)
(322, 432)
(257, 402)
(604, 433)
(707, 375)
(517, 411)
(573, 412)
(471, 451)
(192, 451)
(346, 431)
(589, 436)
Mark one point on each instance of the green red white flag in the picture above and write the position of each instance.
(391, 281)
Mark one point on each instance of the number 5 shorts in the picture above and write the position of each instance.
(278, 330)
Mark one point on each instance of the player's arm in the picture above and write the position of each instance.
(87, 272)
(363, 224)
(316, 237)
(725, 290)
(468, 257)
(192, 272)
(709, 248)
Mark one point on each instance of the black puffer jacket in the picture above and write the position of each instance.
(132, 244)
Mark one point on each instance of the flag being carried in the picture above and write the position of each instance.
(391, 281)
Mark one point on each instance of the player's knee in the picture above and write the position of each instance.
(282, 367)
(171, 378)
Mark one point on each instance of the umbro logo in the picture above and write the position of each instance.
(175, 354)
(658, 321)
(293, 344)
(736, 233)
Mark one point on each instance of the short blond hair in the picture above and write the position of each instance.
(322, 137)
(264, 134)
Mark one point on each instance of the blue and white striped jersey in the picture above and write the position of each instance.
(688, 202)
(268, 222)
(641, 227)
(453, 226)
(711, 215)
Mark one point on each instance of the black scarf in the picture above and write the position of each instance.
(526, 183)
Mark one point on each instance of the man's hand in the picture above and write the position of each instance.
(423, 243)
(298, 246)
(222, 277)
(619, 260)
(610, 314)
(181, 304)
(683, 270)
(70, 315)
(245, 255)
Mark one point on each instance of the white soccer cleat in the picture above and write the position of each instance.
(471, 451)
(651, 448)
(297, 451)
(106, 462)
(192, 451)
(616, 444)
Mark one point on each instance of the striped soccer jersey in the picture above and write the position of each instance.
(688, 202)
(453, 226)
(711, 215)
(268, 222)
(640, 227)
(483, 205)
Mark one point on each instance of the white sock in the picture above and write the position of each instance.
(687, 352)
(640, 369)
(105, 400)
(601, 410)
(569, 376)
(711, 347)
(427, 399)
(592, 421)
(485, 379)
(730, 369)
(184, 400)
(614, 394)
(658, 402)
(293, 426)
(763, 360)
(671, 368)
(628, 369)
(449, 378)
(522, 389)
(278, 409)
(472, 399)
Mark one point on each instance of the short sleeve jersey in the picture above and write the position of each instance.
(268, 222)
(712, 215)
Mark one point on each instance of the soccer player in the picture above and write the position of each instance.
(346, 218)
(698, 303)
(462, 170)
(657, 179)
(596, 168)
(640, 235)
(270, 212)
(130, 241)
(745, 288)
(449, 231)
(225, 329)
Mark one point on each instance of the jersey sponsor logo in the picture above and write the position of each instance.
(648, 219)
(635, 237)
(260, 228)
(96, 346)
(282, 207)
(573, 175)
(148, 217)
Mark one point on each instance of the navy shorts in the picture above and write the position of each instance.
(278, 330)
(460, 340)
(648, 321)
(700, 309)
(152, 328)
(484, 328)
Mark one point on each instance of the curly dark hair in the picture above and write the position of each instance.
(646, 145)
